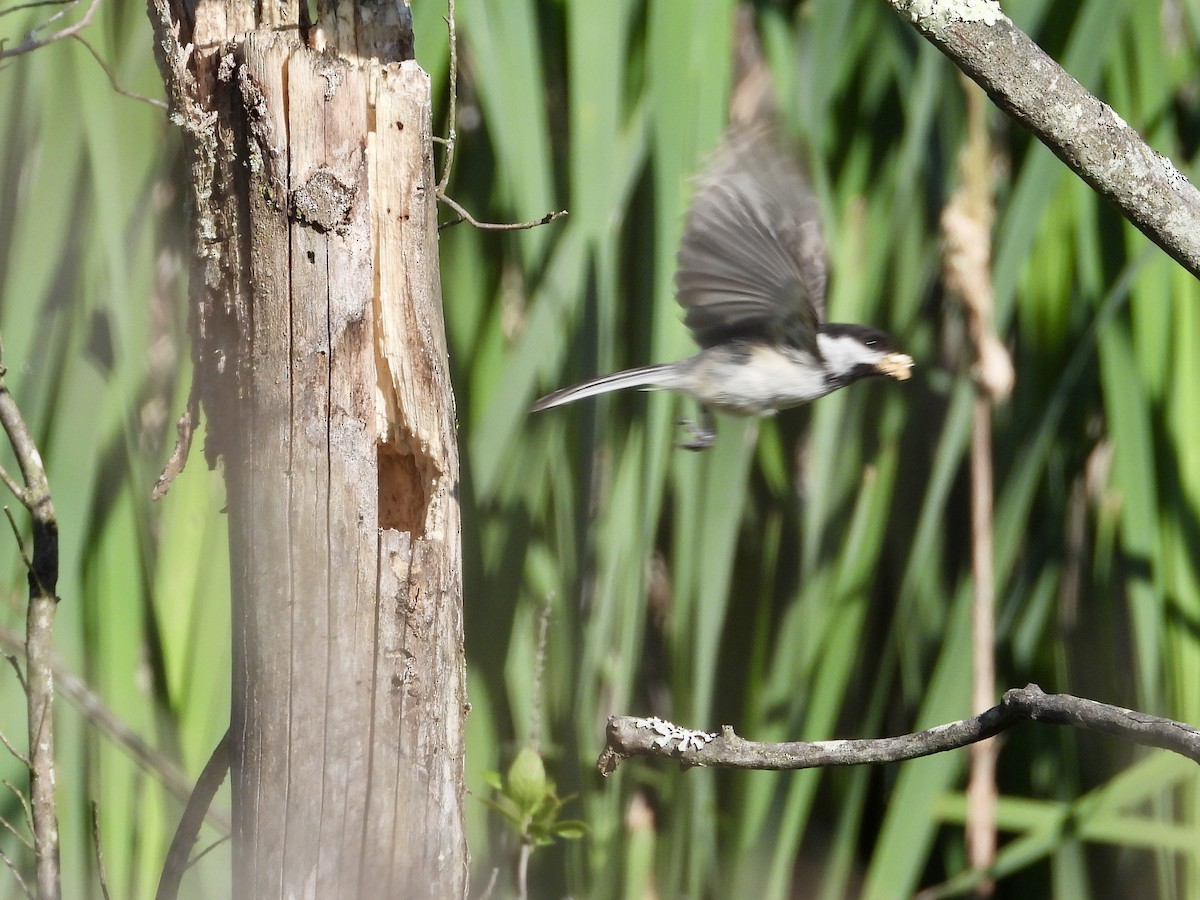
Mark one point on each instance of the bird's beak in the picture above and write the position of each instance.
(896, 365)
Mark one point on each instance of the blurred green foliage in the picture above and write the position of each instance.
(807, 578)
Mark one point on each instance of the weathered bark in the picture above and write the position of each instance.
(322, 359)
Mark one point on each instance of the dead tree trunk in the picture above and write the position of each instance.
(321, 366)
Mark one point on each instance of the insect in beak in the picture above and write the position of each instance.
(896, 365)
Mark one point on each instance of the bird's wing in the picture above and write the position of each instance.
(752, 259)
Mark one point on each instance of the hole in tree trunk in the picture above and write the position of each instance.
(403, 490)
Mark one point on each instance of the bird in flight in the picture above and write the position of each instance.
(751, 275)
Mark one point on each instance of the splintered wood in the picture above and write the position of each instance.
(349, 692)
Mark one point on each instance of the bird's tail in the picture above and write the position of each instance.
(661, 375)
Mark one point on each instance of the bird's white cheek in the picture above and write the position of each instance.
(844, 354)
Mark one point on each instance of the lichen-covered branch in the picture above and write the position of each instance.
(630, 736)
(1080, 129)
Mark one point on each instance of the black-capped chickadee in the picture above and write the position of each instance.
(751, 276)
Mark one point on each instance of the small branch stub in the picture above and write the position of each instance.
(630, 736)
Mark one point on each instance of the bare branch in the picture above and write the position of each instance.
(37, 490)
(449, 141)
(451, 133)
(1083, 132)
(13, 830)
(209, 849)
(193, 817)
(54, 18)
(101, 872)
(24, 801)
(99, 714)
(491, 885)
(20, 757)
(523, 855)
(630, 736)
(32, 42)
(966, 225)
(464, 216)
(16, 874)
(39, 641)
(11, 484)
(35, 4)
(16, 530)
(16, 667)
(112, 77)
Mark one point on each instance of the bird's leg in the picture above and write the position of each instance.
(703, 434)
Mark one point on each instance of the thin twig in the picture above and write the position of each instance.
(967, 230)
(982, 793)
(211, 778)
(15, 832)
(451, 133)
(21, 757)
(35, 4)
(16, 667)
(12, 485)
(96, 712)
(33, 43)
(54, 18)
(101, 872)
(525, 852)
(16, 530)
(24, 801)
(631, 736)
(449, 141)
(209, 849)
(464, 216)
(491, 885)
(16, 874)
(112, 78)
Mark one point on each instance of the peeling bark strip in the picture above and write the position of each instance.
(321, 352)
